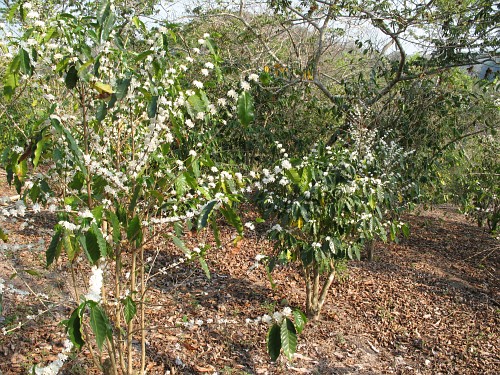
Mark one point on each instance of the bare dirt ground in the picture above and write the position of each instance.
(428, 305)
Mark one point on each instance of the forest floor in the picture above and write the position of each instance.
(428, 305)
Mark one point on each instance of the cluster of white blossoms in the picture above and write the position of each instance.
(54, 367)
(276, 318)
(18, 209)
(95, 284)
(363, 174)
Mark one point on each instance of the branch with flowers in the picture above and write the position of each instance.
(122, 155)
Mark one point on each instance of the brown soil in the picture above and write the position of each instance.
(428, 305)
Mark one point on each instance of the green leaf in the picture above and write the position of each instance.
(134, 229)
(25, 66)
(122, 88)
(300, 320)
(103, 88)
(90, 246)
(138, 23)
(10, 82)
(103, 11)
(130, 309)
(3, 236)
(74, 327)
(102, 110)
(77, 153)
(107, 26)
(33, 272)
(180, 244)
(71, 78)
(100, 325)
(288, 338)
(54, 250)
(71, 250)
(21, 168)
(135, 196)
(195, 105)
(406, 230)
(204, 265)
(103, 246)
(153, 106)
(181, 185)
(142, 56)
(274, 342)
(38, 151)
(115, 223)
(216, 232)
(233, 219)
(245, 108)
(205, 212)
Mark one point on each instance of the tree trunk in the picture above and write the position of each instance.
(369, 249)
(316, 295)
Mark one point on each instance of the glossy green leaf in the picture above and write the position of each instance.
(181, 185)
(180, 244)
(153, 106)
(100, 325)
(71, 250)
(90, 246)
(20, 169)
(115, 223)
(216, 232)
(233, 219)
(138, 23)
(103, 11)
(300, 320)
(245, 108)
(195, 105)
(129, 308)
(71, 78)
(288, 338)
(77, 153)
(25, 66)
(38, 151)
(122, 86)
(406, 230)
(142, 56)
(107, 26)
(10, 82)
(53, 250)
(205, 213)
(274, 342)
(74, 327)
(134, 231)
(103, 246)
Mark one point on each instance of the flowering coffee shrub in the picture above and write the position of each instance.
(330, 203)
(121, 149)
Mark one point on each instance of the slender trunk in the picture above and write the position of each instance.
(308, 290)
(121, 347)
(369, 249)
(143, 313)
(130, 326)
(316, 292)
(326, 286)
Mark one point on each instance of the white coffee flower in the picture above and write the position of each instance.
(95, 285)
